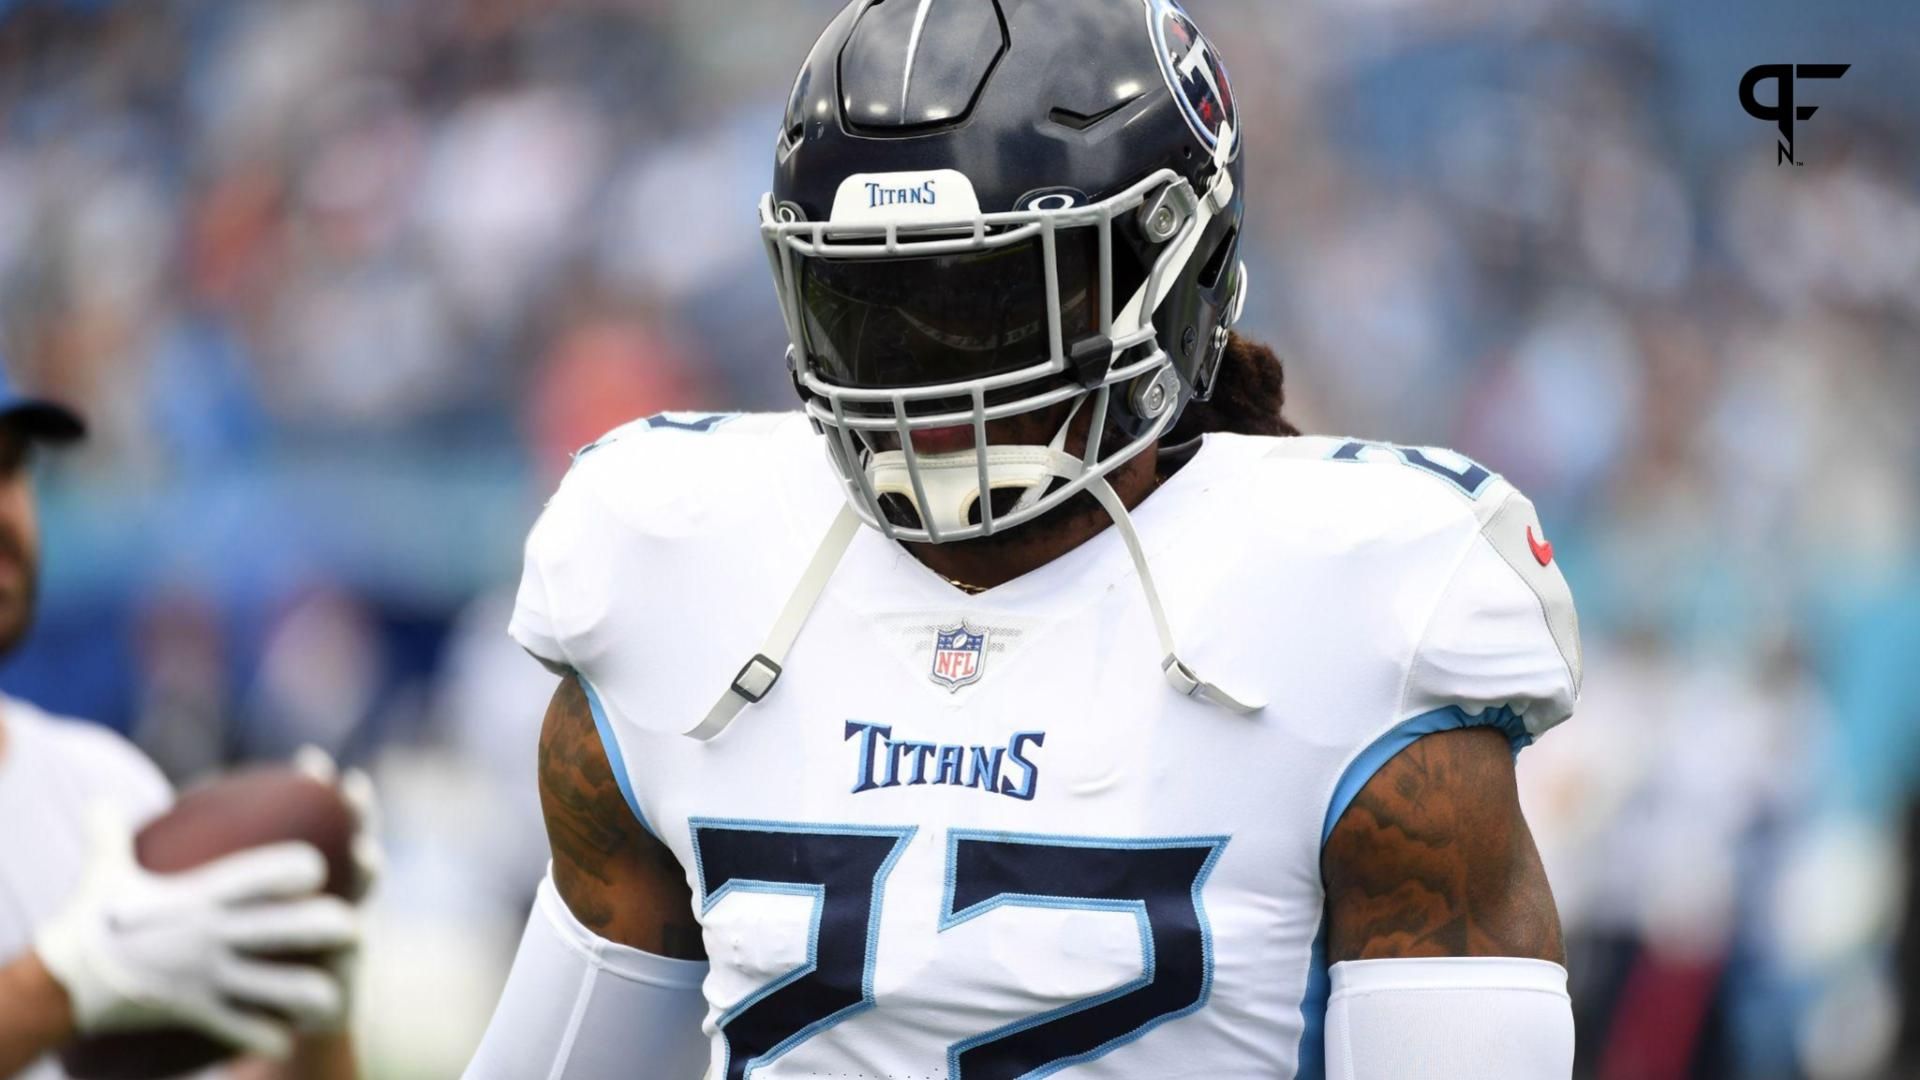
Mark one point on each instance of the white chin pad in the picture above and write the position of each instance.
(952, 481)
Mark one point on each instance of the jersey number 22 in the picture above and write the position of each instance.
(843, 870)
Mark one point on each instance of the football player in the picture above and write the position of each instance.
(1073, 715)
(92, 944)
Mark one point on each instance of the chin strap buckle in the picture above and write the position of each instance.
(758, 676)
(756, 679)
(1181, 676)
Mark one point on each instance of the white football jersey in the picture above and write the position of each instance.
(981, 836)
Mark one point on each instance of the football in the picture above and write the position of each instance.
(243, 810)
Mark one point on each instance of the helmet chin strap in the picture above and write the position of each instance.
(757, 678)
(951, 482)
(1183, 678)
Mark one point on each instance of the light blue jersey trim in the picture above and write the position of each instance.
(1313, 1011)
(614, 760)
(1405, 734)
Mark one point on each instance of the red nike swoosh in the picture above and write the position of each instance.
(1542, 549)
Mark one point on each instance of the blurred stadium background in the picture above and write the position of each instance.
(341, 284)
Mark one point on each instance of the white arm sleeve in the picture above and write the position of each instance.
(1484, 1018)
(579, 1007)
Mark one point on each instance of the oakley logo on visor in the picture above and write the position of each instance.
(905, 198)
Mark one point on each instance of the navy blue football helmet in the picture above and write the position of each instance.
(985, 208)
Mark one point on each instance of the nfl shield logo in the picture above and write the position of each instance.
(959, 654)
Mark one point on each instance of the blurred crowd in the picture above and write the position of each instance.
(340, 284)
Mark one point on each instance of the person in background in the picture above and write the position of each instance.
(90, 942)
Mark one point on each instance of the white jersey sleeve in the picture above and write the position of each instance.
(1503, 638)
(700, 523)
(569, 576)
(1497, 642)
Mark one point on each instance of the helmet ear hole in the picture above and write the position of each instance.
(1129, 271)
(1216, 266)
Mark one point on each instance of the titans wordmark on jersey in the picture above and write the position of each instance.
(978, 836)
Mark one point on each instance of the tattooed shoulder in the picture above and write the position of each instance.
(1434, 858)
(618, 880)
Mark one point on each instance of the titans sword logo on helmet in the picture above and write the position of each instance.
(1194, 72)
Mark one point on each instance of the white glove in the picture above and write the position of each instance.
(356, 787)
(135, 949)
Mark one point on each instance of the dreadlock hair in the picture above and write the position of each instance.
(1249, 397)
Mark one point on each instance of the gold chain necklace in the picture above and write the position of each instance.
(970, 590)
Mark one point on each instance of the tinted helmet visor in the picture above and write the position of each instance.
(927, 321)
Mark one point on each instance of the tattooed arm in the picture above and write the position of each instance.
(614, 926)
(1434, 859)
(1441, 928)
(620, 882)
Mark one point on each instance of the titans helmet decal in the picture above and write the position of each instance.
(1195, 74)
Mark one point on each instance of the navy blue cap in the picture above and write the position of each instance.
(44, 421)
